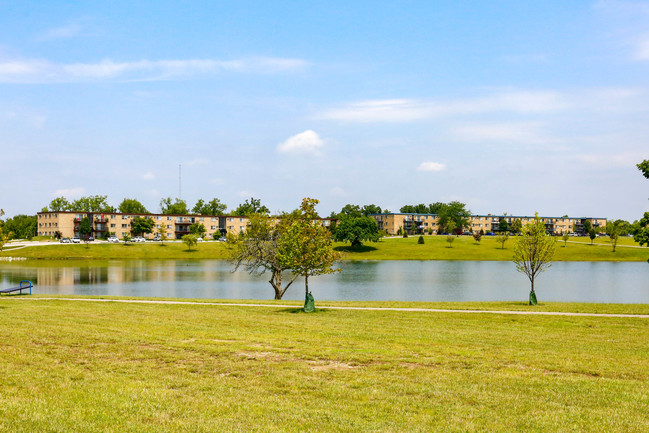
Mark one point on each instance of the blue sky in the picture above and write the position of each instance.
(506, 106)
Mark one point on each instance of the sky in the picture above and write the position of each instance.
(509, 107)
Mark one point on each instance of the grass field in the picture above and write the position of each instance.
(108, 367)
(434, 248)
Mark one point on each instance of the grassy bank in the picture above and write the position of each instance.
(77, 366)
(434, 248)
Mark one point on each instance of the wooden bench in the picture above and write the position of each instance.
(24, 285)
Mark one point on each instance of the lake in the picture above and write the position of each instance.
(614, 282)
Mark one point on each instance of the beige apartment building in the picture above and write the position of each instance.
(67, 224)
(422, 223)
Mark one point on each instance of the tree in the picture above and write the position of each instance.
(250, 207)
(132, 206)
(92, 203)
(356, 229)
(59, 204)
(3, 238)
(213, 207)
(641, 232)
(176, 207)
(21, 226)
(455, 212)
(350, 210)
(85, 228)
(256, 250)
(198, 230)
(420, 240)
(371, 209)
(592, 234)
(450, 239)
(516, 227)
(503, 225)
(565, 236)
(644, 168)
(477, 236)
(533, 252)
(502, 238)
(162, 232)
(140, 226)
(306, 247)
(190, 241)
(587, 226)
(613, 230)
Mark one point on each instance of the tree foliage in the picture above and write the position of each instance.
(305, 246)
(59, 204)
(502, 238)
(140, 226)
(132, 206)
(198, 230)
(533, 252)
(173, 207)
(644, 168)
(477, 236)
(85, 227)
(516, 227)
(356, 230)
(641, 233)
(190, 241)
(92, 203)
(21, 226)
(251, 207)
(213, 207)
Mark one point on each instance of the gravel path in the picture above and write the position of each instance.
(425, 310)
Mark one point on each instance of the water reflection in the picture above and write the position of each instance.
(389, 280)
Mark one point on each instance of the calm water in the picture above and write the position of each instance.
(385, 280)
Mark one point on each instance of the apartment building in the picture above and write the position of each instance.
(422, 223)
(67, 224)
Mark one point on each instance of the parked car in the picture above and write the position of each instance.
(138, 239)
(113, 239)
(76, 240)
(91, 239)
(65, 240)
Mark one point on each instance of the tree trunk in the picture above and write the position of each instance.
(532, 294)
(306, 283)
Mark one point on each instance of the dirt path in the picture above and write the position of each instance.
(425, 310)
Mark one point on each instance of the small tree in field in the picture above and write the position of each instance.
(306, 247)
(450, 239)
(533, 252)
(162, 233)
(190, 241)
(592, 234)
(502, 238)
(565, 236)
(477, 236)
(420, 240)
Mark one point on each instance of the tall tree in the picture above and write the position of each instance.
(533, 252)
(175, 207)
(132, 206)
(85, 228)
(213, 207)
(141, 226)
(352, 210)
(503, 225)
(198, 230)
(92, 203)
(641, 233)
(21, 226)
(516, 227)
(587, 226)
(370, 209)
(306, 247)
(250, 207)
(59, 204)
(356, 230)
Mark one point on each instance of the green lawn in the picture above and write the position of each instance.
(108, 367)
(434, 248)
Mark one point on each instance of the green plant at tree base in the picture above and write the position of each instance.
(420, 240)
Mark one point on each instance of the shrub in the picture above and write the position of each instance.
(420, 240)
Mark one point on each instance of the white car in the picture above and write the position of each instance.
(139, 239)
(113, 239)
(76, 240)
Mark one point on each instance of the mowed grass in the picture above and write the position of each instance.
(108, 367)
(396, 248)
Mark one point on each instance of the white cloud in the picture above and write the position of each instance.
(70, 193)
(431, 166)
(408, 110)
(148, 176)
(520, 132)
(642, 49)
(338, 192)
(43, 71)
(307, 142)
